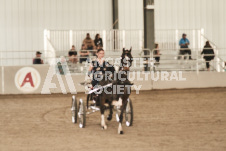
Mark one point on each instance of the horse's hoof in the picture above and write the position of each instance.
(104, 127)
(121, 132)
(109, 118)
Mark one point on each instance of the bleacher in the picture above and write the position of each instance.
(58, 42)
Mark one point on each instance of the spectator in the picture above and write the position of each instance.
(89, 43)
(84, 54)
(208, 54)
(73, 55)
(157, 53)
(98, 41)
(184, 42)
(37, 59)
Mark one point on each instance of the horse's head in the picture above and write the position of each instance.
(126, 59)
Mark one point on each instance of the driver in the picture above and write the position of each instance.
(98, 68)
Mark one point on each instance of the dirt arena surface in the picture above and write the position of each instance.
(166, 120)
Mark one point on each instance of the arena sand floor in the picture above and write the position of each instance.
(164, 120)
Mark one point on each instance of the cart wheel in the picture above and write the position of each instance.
(129, 113)
(74, 110)
(82, 114)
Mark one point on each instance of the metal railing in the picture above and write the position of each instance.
(13, 58)
(171, 57)
(168, 60)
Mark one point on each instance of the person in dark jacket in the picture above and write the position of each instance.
(157, 53)
(208, 54)
(98, 41)
(37, 59)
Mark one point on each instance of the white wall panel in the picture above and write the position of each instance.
(131, 14)
(2, 26)
(22, 22)
(193, 14)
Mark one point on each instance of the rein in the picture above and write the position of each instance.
(95, 90)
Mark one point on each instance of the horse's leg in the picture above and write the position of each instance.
(102, 108)
(121, 111)
(111, 110)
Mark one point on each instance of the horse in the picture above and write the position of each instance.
(126, 60)
(118, 81)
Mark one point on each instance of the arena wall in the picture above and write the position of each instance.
(193, 80)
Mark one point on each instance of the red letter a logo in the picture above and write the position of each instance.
(28, 78)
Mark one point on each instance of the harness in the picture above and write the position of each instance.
(98, 71)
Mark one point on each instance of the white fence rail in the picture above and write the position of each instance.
(168, 57)
(115, 40)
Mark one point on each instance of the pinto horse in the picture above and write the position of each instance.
(118, 91)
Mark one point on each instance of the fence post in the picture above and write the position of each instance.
(176, 38)
(141, 39)
(197, 62)
(45, 44)
(70, 38)
(1, 58)
(104, 39)
(202, 38)
(3, 82)
(123, 39)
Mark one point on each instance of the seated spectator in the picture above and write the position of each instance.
(84, 54)
(89, 43)
(157, 53)
(37, 59)
(208, 54)
(98, 41)
(184, 42)
(73, 55)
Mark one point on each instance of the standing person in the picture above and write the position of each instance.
(157, 53)
(73, 55)
(89, 43)
(84, 54)
(208, 51)
(37, 59)
(98, 41)
(184, 42)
